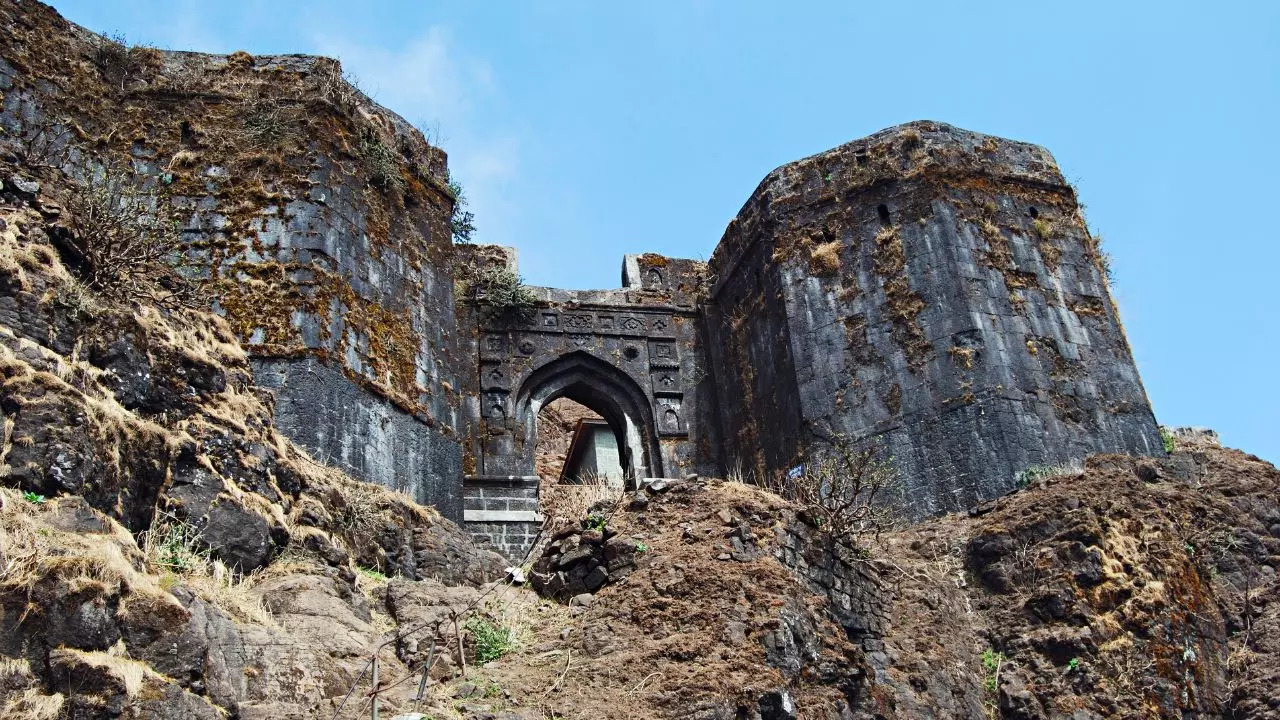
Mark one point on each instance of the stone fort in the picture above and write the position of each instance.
(928, 289)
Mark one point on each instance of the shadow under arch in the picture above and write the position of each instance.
(586, 379)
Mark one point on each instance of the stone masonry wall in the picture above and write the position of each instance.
(943, 298)
(318, 220)
(929, 290)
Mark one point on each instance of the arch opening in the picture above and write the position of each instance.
(576, 446)
(611, 394)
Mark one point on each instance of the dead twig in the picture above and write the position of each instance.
(568, 660)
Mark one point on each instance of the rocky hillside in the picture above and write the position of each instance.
(1138, 589)
(164, 551)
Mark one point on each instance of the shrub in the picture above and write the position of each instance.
(462, 221)
(1168, 440)
(127, 249)
(269, 123)
(842, 490)
(119, 62)
(492, 641)
(501, 292)
(382, 161)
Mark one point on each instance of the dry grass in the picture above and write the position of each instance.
(32, 705)
(174, 551)
(129, 674)
(567, 504)
(824, 259)
(33, 550)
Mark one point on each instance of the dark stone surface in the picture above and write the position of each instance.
(632, 354)
(344, 425)
(960, 318)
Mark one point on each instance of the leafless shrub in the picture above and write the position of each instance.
(269, 123)
(566, 504)
(844, 490)
(128, 248)
(337, 87)
(43, 143)
(119, 62)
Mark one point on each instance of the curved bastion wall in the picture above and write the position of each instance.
(318, 221)
(930, 290)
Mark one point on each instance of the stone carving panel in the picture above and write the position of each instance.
(663, 354)
(495, 405)
(632, 324)
(579, 322)
(492, 376)
(669, 416)
(667, 382)
(494, 345)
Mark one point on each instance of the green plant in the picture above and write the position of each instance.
(382, 161)
(1042, 228)
(1168, 440)
(991, 662)
(462, 221)
(1038, 472)
(492, 640)
(1073, 664)
(175, 545)
(641, 547)
(597, 521)
(372, 573)
(501, 292)
(34, 498)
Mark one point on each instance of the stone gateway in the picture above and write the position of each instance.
(932, 291)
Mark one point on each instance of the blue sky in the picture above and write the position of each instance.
(586, 130)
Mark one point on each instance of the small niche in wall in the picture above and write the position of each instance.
(883, 212)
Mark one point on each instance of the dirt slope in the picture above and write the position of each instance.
(1101, 595)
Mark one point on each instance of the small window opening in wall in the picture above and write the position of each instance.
(630, 353)
(883, 211)
(1034, 213)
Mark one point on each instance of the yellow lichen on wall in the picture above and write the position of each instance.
(902, 304)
